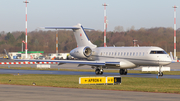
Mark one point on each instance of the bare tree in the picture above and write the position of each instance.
(118, 29)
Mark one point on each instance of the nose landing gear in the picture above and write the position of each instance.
(160, 73)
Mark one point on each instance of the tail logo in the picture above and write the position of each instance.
(80, 34)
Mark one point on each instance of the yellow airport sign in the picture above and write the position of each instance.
(92, 80)
(110, 79)
(117, 79)
(100, 80)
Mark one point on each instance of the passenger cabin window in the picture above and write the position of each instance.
(136, 53)
(133, 53)
(158, 52)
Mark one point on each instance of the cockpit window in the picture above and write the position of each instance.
(158, 52)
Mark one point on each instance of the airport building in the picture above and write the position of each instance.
(22, 55)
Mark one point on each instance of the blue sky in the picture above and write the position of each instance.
(90, 13)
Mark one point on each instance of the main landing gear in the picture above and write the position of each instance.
(123, 71)
(99, 71)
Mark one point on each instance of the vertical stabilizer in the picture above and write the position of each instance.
(81, 37)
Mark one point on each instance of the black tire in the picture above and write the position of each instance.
(101, 73)
(97, 71)
(121, 71)
(125, 71)
(160, 73)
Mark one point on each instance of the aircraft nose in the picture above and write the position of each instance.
(168, 60)
(165, 60)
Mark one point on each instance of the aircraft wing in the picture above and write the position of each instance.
(92, 63)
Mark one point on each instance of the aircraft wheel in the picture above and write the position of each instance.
(160, 73)
(125, 71)
(121, 71)
(97, 71)
(101, 73)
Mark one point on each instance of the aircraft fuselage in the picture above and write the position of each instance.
(136, 56)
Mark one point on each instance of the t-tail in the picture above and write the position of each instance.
(80, 35)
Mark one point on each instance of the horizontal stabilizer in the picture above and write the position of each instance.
(66, 28)
(61, 28)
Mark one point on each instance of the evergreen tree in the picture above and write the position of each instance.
(10, 38)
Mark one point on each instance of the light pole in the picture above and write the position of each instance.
(57, 42)
(22, 45)
(105, 24)
(175, 32)
(26, 30)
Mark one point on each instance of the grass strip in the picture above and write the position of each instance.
(72, 81)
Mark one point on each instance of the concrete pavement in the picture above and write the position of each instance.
(34, 93)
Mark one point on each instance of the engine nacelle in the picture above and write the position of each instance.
(81, 52)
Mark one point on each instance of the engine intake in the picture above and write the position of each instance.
(87, 51)
(81, 52)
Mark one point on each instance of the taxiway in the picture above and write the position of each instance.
(34, 93)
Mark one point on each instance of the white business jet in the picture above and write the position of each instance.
(122, 58)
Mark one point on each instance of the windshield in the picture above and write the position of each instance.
(158, 52)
